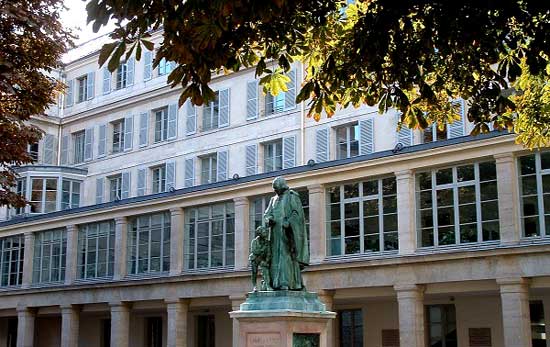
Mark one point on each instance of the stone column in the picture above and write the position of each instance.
(508, 198)
(406, 208)
(28, 260)
(25, 327)
(120, 324)
(177, 311)
(177, 229)
(242, 232)
(72, 250)
(516, 320)
(317, 219)
(410, 300)
(70, 319)
(121, 247)
(327, 297)
(236, 301)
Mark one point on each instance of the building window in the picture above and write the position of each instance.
(538, 325)
(11, 261)
(21, 189)
(149, 244)
(273, 156)
(70, 194)
(122, 76)
(50, 256)
(433, 133)
(115, 187)
(43, 195)
(535, 194)
(32, 149)
(161, 124)
(457, 205)
(347, 141)
(118, 136)
(206, 329)
(78, 140)
(209, 168)
(351, 328)
(274, 104)
(211, 114)
(362, 217)
(82, 90)
(154, 331)
(96, 250)
(442, 325)
(159, 179)
(210, 236)
(165, 67)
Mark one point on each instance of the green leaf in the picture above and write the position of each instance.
(115, 59)
(105, 52)
(148, 44)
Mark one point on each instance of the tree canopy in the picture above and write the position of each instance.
(412, 55)
(33, 41)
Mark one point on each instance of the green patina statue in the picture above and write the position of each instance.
(281, 250)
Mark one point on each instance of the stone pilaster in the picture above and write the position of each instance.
(177, 229)
(25, 327)
(177, 315)
(516, 320)
(406, 208)
(236, 301)
(327, 297)
(70, 321)
(242, 232)
(28, 260)
(120, 324)
(121, 246)
(317, 219)
(72, 249)
(508, 198)
(410, 300)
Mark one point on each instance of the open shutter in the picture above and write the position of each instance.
(456, 128)
(251, 159)
(102, 141)
(90, 85)
(289, 152)
(222, 164)
(366, 136)
(405, 134)
(290, 94)
(99, 189)
(191, 118)
(252, 100)
(130, 71)
(48, 153)
(143, 129)
(125, 189)
(70, 94)
(147, 65)
(189, 172)
(106, 81)
(128, 133)
(88, 144)
(172, 121)
(170, 175)
(141, 182)
(64, 150)
(322, 145)
(224, 98)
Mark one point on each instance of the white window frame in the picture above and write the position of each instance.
(212, 114)
(46, 261)
(140, 226)
(82, 90)
(73, 192)
(209, 169)
(12, 249)
(160, 124)
(90, 238)
(276, 158)
(122, 76)
(33, 150)
(115, 187)
(21, 189)
(165, 67)
(43, 201)
(347, 141)
(117, 129)
(539, 175)
(79, 145)
(158, 177)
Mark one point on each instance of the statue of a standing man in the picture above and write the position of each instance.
(289, 244)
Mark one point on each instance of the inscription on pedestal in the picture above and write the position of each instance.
(263, 340)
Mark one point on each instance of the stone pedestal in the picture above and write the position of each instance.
(282, 319)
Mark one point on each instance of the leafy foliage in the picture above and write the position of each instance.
(412, 55)
(32, 41)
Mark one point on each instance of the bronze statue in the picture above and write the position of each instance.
(260, 257)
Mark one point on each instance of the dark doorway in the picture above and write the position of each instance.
(206, 336)
(154, 331)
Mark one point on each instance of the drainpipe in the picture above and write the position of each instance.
(60, 110)
(302, 120)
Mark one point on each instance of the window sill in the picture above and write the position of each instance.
(219, 269)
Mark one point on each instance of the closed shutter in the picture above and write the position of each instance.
(147, 65)
(106, 81)
(289, 152)
(128, 133)
(222, 164)
(88, 144)
(290, 94)
(191, 118)
(143, 129)
(251, 159)
(170, 175)
(172, 121)
(405, 134)
(99, 189)
(64, 150)
(70, 94)
(102, 145)
(322, 145)
(224, 98)
(125, 189)
(141, 181)
(189, 172)
(48, 153)
(130, 71)
(252, 100)
(366, 136)
(90, 85)
(456, 128)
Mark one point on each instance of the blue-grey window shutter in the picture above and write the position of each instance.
(170, 175)
(48, 152)
(405, 134)
(64, 150)
(147, 65)
(89, 144)
(191, 118)
(224, 98)
(70, 94)
(143, 129)
(172, 121)
(125, 189)
(106, 81)
(366, 136)
(99, 188)
(102, 141)
(456, 128)
(289, 152)
(189, 172)
(128, 133)
(130, 71)
(252, 100)
(141, 181)
(251, 153)
(222, 165)
(290, 94)
(322, 145)
(90, 85)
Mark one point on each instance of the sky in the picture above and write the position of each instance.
(75, 18)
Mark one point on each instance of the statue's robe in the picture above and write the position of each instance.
(289, 246)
